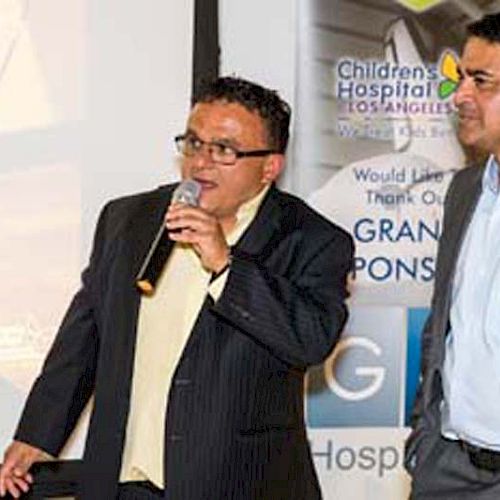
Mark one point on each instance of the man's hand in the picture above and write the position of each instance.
(14, 476)
(194, 226)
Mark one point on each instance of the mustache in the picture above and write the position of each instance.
(466, 110)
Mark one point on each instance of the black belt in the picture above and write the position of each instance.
(482, 458)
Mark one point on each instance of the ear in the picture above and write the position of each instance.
(273, 166)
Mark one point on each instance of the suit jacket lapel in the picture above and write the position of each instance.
(461, 211)
(145, 226)
(140, 233)
(265, 226)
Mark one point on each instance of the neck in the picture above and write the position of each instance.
(227, 224)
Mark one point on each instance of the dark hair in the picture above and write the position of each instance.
(273, 110)
(487, 28)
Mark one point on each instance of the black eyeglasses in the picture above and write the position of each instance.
(190, 145)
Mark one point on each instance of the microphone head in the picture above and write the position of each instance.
(187, 192)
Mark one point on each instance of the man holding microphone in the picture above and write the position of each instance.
(198, 385)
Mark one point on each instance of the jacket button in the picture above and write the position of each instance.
(182, 381)
(174, 438)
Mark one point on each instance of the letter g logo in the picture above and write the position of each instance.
(375, 374)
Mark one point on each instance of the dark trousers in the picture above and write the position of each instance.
(139, 490)
(446, 473)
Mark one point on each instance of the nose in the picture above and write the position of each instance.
(464, 92)
(202, 158)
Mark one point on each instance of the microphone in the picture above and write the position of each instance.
(187, 192)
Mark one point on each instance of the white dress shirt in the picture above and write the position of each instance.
(471, 372)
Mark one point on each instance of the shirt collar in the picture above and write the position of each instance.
(250, 207)
(245, 215)
(491, 177)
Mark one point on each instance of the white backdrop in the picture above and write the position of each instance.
(91, 94)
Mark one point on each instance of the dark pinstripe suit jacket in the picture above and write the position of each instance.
(461, 199)
(234, 425)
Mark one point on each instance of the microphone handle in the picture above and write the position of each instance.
(154, 262)
(188, 193)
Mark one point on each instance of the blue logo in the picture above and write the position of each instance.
(361, 383)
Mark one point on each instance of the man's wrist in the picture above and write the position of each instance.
(221, 270)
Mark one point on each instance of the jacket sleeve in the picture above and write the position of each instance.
(297, 317)
(66, 381)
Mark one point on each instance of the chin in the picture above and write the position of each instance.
(203, 202)
(469, 140)
(205, 206)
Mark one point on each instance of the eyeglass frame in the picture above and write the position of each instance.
(179, 139)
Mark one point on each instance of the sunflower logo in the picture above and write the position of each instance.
(449, 70)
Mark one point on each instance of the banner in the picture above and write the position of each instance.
(375, 151)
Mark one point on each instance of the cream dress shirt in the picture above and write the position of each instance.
(165, 323)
